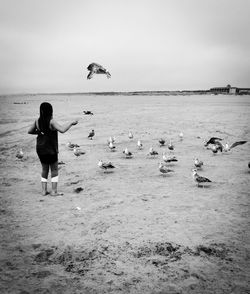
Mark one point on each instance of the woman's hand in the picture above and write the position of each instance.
(75, 122)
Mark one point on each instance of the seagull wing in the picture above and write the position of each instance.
(201, 179)
(212, 140)
(90, 75)
(237, 143)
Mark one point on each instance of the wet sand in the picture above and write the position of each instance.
(132, 230)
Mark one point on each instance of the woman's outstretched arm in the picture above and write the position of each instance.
(62, 128)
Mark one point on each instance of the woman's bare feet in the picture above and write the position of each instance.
(44, 193)
(54, 194)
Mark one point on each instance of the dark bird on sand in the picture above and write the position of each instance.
(152, 152)
(201, 181)
(91, 134)
(212, 140)
(164, 169)
(105, 165)
(95, 68)
(88, 112)
(72, 146)
(162, 142)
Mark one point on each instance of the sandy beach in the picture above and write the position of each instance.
(132, 230)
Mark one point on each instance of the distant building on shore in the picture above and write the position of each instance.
(230, 90)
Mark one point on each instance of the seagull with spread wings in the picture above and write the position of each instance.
(95, 68)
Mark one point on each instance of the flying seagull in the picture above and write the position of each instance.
(95, 68)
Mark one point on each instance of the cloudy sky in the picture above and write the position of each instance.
(46, 45)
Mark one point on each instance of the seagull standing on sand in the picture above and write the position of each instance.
(19, 154)
(91, 134)
(162, 142)
(163, 169)
(95, 68)
(170, 145)
(88, 112)
(181, 136)
(127, 153)
(139, 145)
(72, 146)
(105, 166)
(169, 158)
(111, 146)
(130, 135)
(78, 152)
(152, 152)
(201, 181)
(198, 163)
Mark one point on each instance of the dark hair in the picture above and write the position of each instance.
(46, 114)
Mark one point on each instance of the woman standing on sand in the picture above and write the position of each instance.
(47, 145)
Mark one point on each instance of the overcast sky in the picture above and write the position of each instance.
(46, 45)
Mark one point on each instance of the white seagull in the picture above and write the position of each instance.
(127, 153)
(201, 181)
(170, 145)
(78, 152)
(181, 136)
(152, 152)
(105, 165)
(164, 169)
(111, 146)
(130, 135)
(168, 158)
(19, 154)
(139, 145)
(198, 163)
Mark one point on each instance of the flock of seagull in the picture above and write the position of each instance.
(213, 144)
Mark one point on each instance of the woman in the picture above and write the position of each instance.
(47, 145)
